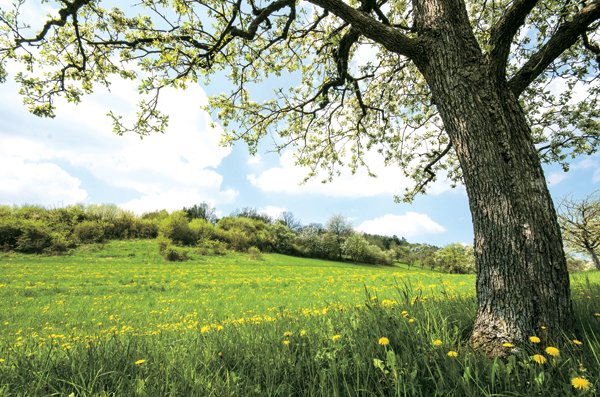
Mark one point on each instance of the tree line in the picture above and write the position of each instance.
(197, 229)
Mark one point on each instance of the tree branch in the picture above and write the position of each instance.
(503, 32)
(389, 37)
(566, 35)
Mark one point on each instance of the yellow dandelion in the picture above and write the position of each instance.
(507, 344)
(383, 341)
(534, 339)
(404, 313)
(336, 338)
(411, 320)
(595, 314)
(140, 361)
(437, 342)
(581, 383)
(287, 334)
(286, 342)
(205, 329)
(219, 328)
(539, 358)
(577, 342)
(2, 360)
(302, 332)
(452, 353)
(553, 351)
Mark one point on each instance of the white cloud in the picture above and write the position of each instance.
(410, 224)
(37, 183)
(161, 171)
(288, 177)
(556, 177)
(272, 211)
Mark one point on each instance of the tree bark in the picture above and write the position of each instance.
(522, 279)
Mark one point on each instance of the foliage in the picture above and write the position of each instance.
(90, 231)
(201, 211)
(177, 228)
(455, 258)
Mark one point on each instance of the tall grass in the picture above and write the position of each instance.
(375, 342)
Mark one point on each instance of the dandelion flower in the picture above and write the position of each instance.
(534, 339)
(2, 360)
(539, 358)
(553, 351)
(205, 329)
(577, 342)
(336, 338)
(140, 361)
(452, 353)
(581, 383)
(383, 341)
(286, 342)
(507, 344)
(302, 332)
(437, 342)
(287, 334)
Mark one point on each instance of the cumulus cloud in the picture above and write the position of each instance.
(410, 224)
(37, 183)
(288, 177)
(272, 211)
(160, 171)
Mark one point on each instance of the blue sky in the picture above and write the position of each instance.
(76, 158)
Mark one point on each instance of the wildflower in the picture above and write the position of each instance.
(452, 353)
(539, 358)
(577, 342)
(404, 313)
(595, 314)
(302, 332)
(437, 342)
(336, 338)
(219, 328)
(553, 351)
(581, 383)
(411, 320)
(383, 341)
(286, 342)
(507, 344)
(287, 334)
(205, 329)
(140, 361)
(2, 360)
(534, 339)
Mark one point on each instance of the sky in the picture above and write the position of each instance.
(76, 158)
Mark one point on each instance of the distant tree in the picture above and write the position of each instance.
(288, 219)
(455, 258)
(356, 247)
(252, 213)
(580, 224)
(339, 228)
(201, 211)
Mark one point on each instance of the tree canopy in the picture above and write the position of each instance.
(356, 89)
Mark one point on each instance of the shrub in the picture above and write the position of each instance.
(171, 252)
(176, 228)
(35, 237)
(254, 253)
(90, 231)
(211, 247)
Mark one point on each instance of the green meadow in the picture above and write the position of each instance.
(118, 320)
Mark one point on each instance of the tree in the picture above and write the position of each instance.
(580, 224)
(455, 88)
(201, 211)
(289, 220)
(338, 228)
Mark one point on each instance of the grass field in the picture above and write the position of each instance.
(119, 320)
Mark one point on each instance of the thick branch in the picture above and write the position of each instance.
(566, 35)
(503, 32)
(379, 32)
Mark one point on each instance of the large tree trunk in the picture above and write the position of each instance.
(522, 279)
